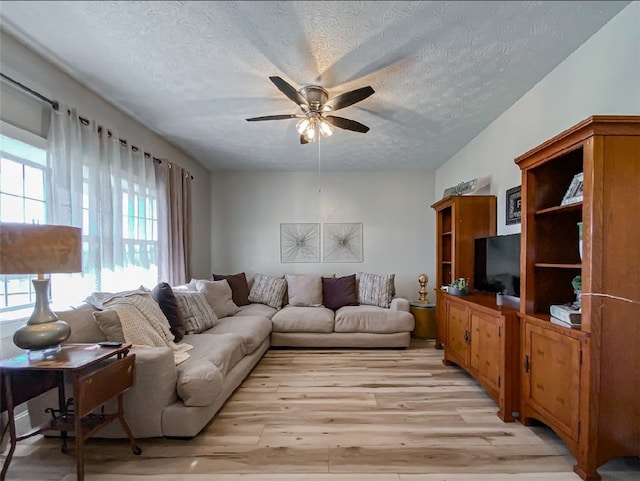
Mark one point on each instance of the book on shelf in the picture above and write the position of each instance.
(566, 312)
(562, 322)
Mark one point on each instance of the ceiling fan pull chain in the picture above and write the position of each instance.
(319, 159)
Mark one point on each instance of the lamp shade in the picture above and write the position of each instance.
(39, 249)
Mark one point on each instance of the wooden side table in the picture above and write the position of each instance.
(97, 374)
(425, 316)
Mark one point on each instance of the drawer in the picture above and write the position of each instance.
(109, 380)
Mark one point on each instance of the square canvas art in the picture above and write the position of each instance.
(300, 242)
(342, 242)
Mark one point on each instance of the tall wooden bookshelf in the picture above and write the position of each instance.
(460, 219)
(583, 382)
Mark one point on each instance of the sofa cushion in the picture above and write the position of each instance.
(109, 324)
(166, 299)
(372, 319)
(255, 309)
(268, 290)
(304, 290)
(195, 310)
(252, 329)
(303, 319)
(199, 383)
(200, 378)
(376, 289)
(84, 328)
(239, 287)
(339, 291)
(219, 296)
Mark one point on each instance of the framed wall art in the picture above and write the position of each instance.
(300, 242)
(514, 205)
(342, 242)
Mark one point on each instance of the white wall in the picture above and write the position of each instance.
(394, 207)
(28, 68)
(601, 77)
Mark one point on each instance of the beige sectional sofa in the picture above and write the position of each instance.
(179, 400)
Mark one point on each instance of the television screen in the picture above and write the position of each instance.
(497, 264)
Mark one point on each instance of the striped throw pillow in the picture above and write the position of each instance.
(195, 310)
(376, 289)
(268, 290)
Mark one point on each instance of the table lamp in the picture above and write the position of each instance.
(40, 249)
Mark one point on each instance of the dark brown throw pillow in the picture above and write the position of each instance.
(166, 299)
(339, 291)
(239, 287)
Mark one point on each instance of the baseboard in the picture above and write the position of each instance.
(23, 424)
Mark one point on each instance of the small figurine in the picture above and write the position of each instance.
(422, 280)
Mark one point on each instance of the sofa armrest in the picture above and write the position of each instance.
(154, 388)
(399, 304)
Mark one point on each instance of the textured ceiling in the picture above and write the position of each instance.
(193, 71)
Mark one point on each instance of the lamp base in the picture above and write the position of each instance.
(41, 354)
(44, 329)
(37, 337)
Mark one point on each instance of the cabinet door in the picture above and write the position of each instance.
(457, 348)
(485, 348)
(552, 378)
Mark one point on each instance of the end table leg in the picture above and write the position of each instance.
(135, 449)
(79, 448)
(62, 405)
(10, 424)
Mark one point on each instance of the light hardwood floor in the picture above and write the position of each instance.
(337, 415)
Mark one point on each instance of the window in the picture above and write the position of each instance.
(23, 170)
(24, 177)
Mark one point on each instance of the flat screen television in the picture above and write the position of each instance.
(497, 264)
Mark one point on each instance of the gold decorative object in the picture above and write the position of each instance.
(422, 280)
(40, 249)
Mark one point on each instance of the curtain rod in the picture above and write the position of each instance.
(56, 106)
(32, 92)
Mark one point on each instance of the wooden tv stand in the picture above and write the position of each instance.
(483, 338)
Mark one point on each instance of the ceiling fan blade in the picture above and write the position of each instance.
(273, 117)
(349, 98)
(347, 124)
(289, 91)
(303, 140)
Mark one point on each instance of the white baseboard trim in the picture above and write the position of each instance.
(23, 424)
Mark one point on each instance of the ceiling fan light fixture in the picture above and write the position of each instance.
(325, 128)
(310, 134)
(314, 102)
(303, 125)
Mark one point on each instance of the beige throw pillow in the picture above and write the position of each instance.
(219, 296)
(304, 290)
(109, 324)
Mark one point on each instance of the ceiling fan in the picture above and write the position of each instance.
(314, 102)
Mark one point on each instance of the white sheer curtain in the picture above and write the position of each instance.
(109, 190)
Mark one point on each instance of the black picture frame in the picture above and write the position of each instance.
(514, 205)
